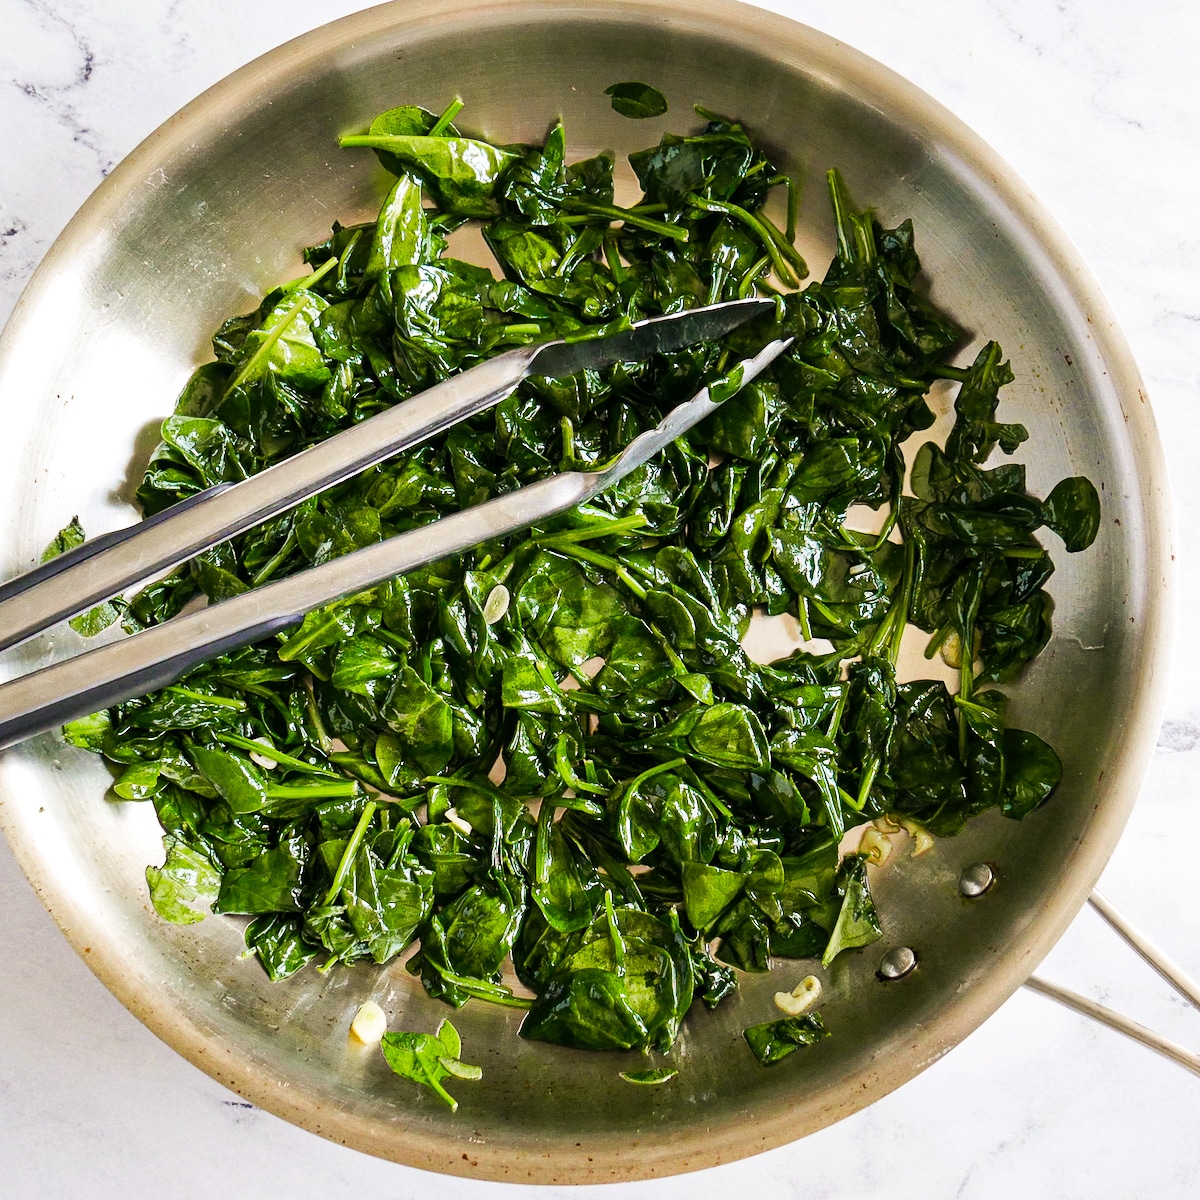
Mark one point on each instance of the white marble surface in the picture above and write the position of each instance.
(1098, 108)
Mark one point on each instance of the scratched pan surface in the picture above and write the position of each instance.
(211, 211)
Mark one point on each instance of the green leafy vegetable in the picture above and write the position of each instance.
(1073, 512)
(857, 923)
(103, 615)
(553, 748)
(428, 1059)
(184, 888)
(637, 100)
(651, 1077)
(774, 1040)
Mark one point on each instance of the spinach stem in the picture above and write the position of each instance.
(806, 632)
(342, 789)
(890, 630)
(912, 566)
(750, 278)
(541, 853)
(611, 527)
(864, 786)
(602, 560)
(263, 353)
(313, 277)
(443, 122)
(568, 441)
(480, 989)
(429, 1067)
(613, 256)
(936, 639)
(567, 773)
(854, 241)
(657, 769)
(269, 751)
(614, 933)
(692, 777)
(943, 371)
(966, 669)
(784, 243)
(523, 329)
(793, 206)
(835, 720)
(629, 216)
(314, 716)
(208, 697)
(788, 264)
(344, 258)
(350, 851)
(277, 560)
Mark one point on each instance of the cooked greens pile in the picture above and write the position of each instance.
(554, 748)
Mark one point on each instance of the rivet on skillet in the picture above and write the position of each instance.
(897, 963)
(975, 880)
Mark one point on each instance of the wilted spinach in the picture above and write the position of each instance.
(428, 1059)
(553, 748)
(637, 100)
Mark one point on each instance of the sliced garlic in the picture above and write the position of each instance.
(876, 846)
(460, 823)
(264, 760)
(369, 1024)
(923, 840)
(801, 998)
(951, 649)
(496, 605)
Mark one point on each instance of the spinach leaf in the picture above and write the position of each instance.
(100, 617)
(422, 720)
(1073, 512)
(637, 100)
(857, 923)
(1032, 771)
(708, 891)
(236, 779)
(651, 1077)
(429, 1059)
(270, 884)
(774, 1040)
(462, 172)
(627, 985)
(185, 887)
(280, 945)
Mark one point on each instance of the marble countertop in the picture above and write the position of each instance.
(1094, 109)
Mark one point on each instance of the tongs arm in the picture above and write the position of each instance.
(156, 657)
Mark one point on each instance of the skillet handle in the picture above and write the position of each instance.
(1173, 974)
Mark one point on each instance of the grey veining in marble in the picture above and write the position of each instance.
(1097, 107)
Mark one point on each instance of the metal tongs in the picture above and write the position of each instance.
(156, 657)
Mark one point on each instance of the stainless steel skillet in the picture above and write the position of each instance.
(102, 337)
